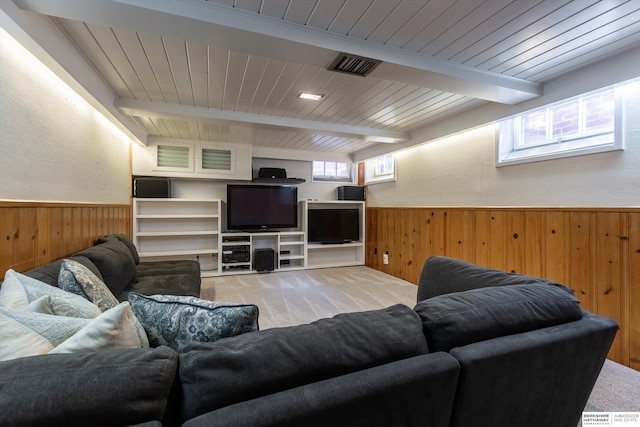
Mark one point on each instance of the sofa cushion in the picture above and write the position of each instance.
(78, 279)
(176, 321)
(28, 333)
(417, 391)
(48, 273)
(115, 263)
(462, 318)
(231, 370)
(110, 387)
(186, 284)
(124, 239)
(442, 275)
(169, 267)
(18, 291)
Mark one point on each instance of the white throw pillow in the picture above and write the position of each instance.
(28, 333)
(41, 305)
(18, 291)
(116, 327)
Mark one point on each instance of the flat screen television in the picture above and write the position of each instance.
(333, 226)
(261, 207)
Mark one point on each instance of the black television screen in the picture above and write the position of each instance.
(333, 225)
(261, 207)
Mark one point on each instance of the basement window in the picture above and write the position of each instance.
(587, 124)
(332, 171)
(380, 169)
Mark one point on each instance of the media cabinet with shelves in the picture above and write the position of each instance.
(174, 228)
(262, 251)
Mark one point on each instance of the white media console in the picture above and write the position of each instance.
(175, 228)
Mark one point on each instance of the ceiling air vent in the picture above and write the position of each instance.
(353, 64)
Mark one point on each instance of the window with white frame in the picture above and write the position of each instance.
(380, 169)
(586, 124)
(332, 171)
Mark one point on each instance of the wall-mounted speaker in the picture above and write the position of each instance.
(275, 173)
(151, 187)
(264, 259)
(351, 192)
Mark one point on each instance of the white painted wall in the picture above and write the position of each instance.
(53, 144)
(460, 171)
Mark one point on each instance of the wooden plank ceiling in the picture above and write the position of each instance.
(231, 70)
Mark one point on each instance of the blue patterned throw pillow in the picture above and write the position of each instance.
(78, 279)
(175, 321)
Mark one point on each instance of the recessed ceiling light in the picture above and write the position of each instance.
(311, 96)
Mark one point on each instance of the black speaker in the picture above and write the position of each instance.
(151, 187)
(272, 173)
(351, 192)
(264, 259)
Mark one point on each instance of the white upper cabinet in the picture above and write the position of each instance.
(193, 160)
(216, 159)
(168, 157)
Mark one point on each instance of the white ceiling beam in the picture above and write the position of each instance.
(247, 32)
(138, 108)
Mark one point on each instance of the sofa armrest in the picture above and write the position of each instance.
(124, 239)
(115, 262)
(550, 374)
(415, 391)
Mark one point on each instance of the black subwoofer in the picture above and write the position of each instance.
(264, 259)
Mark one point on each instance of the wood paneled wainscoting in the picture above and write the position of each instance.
(35, 233)
(596, 252)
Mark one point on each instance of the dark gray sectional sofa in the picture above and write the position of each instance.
(114, 259)
(480, 348)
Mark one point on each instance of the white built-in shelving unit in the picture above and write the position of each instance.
(172, 228)
(175, 228)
